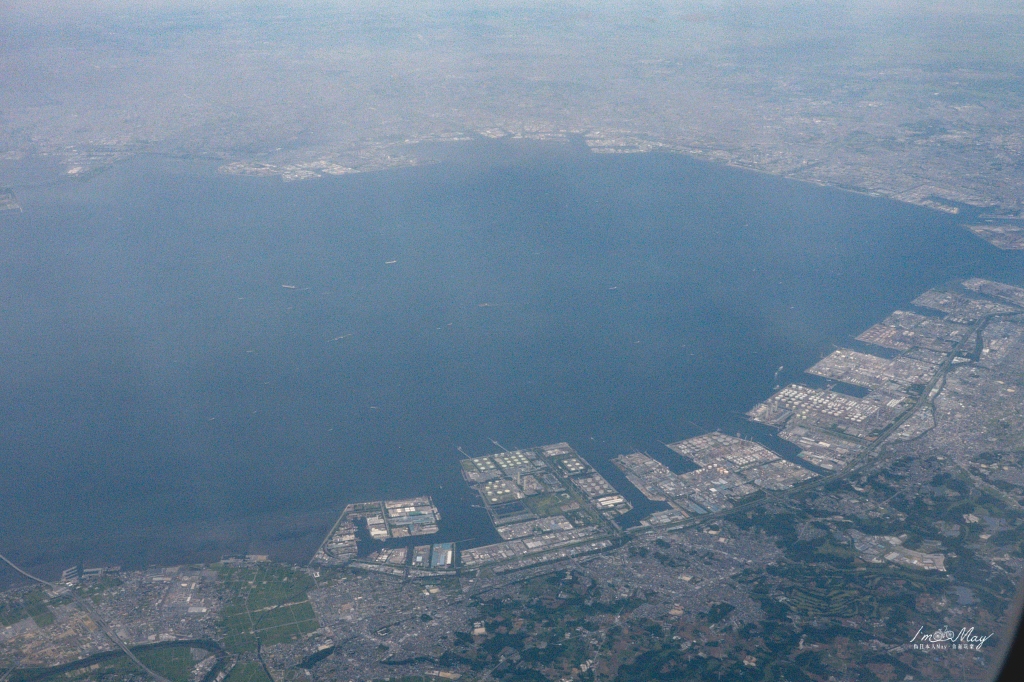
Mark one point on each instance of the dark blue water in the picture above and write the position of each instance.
(163, 397)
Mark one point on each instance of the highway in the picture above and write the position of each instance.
(859, 463)
(102, 624)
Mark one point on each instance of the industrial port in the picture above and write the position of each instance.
(941, 423)
(382, 520)
(549, 503)
(546, 503)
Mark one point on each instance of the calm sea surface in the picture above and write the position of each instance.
(194, 364)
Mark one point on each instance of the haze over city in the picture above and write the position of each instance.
(510, 340)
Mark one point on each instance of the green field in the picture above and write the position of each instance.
(549, 504)
(32, 605)
(173, 663)
(40, 614)
(248, 672)
(267, 603)
(11, 614)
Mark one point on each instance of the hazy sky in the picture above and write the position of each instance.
(775, 85)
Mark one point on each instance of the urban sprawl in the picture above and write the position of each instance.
(909, 481)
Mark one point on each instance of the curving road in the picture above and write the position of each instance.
(85, 606)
